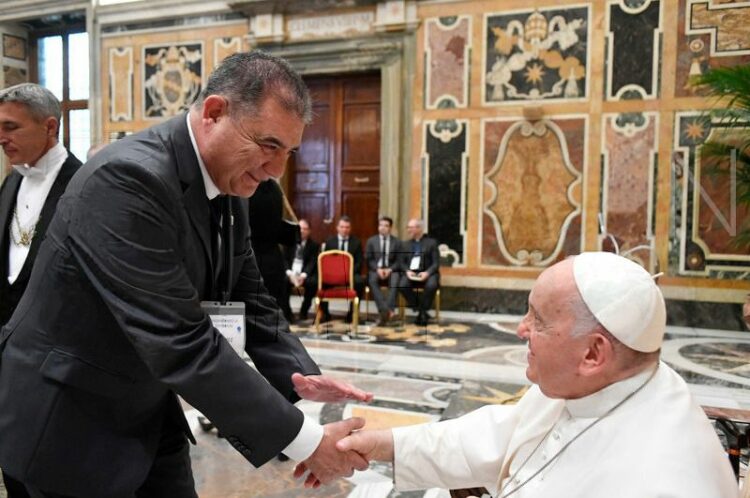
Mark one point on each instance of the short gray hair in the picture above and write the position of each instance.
(246, 79)
(41, 102)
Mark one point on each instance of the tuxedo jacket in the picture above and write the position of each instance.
(354, 247)
(111, 329)
(11, 294)
(309, 257)
(372, 252)
(430, 256)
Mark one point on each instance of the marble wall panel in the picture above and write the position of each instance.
(447, 47)
(633, 49)
(629, 168)
(706, 215)
(445, 160)
(171, 78)
(121, 84)
(532, 190)
(711, 33)
(226, 46)
(536, 54)
(14, 75)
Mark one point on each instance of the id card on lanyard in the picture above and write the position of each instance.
(229, 320)
(228, 317)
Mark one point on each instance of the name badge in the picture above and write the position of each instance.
(229, 320)
(416, 263)
(297, 266)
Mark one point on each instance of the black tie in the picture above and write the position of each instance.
(383, 256)
(216, 249)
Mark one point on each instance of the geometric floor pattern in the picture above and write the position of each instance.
(441, 371)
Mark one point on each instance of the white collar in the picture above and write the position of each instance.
(50, 162)
(595, 405)
(212, 190)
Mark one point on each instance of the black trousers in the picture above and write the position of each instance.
(170, 476)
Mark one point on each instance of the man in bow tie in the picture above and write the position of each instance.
(42, 167)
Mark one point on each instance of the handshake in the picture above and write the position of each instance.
(343, 448)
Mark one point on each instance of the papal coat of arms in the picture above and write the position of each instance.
(536, 55)
(172, 78)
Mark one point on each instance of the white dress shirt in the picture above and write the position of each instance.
(311, 432)
(32, 193)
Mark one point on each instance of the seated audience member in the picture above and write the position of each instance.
(381, 255)
(345, 241)
(419, 264)
(302, 266)
(606, 417)
(268, 229)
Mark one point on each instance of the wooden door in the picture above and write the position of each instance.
(337, 169)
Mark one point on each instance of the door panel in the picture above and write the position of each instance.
(337, 169)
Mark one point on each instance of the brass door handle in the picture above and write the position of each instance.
(328, 221)
(361, 179)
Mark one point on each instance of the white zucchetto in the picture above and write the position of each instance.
(623, 297)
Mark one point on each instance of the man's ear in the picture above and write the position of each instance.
(51, 125)
(598, 355)
(215, 107)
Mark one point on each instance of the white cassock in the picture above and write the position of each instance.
(658, 444)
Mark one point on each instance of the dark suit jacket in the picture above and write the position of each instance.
(11, 294)
(354, 247)
(111, 327)
(372, 252)
(430, 261)
(268, 229)
(309, 257)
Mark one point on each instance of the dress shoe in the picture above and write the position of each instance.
(348, 318)
(385, 317)
(282, 457)
(421, 319)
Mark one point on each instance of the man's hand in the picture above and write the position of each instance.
(327, 389)
(423, 275)
(327, 462)
(384, 273)
(372, 445)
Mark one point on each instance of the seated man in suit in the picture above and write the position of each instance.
(302, 266)
(381, 254)
(345, 241)
(419, 262)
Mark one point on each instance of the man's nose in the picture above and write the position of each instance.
(523, 330)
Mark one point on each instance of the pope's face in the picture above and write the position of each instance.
(23, 138)
(553, 355)
(242, 150)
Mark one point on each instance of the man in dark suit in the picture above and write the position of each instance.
(269, 230)
(42, 168)
(111, 328)
(302, 266)
(419, 263)
(381, 254)
(345, 241)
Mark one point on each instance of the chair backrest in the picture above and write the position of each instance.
(335, 269)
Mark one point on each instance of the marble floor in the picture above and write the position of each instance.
(420, 374)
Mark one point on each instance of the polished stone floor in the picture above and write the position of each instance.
(419, 374)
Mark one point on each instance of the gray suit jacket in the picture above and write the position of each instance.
(372, 252)
(111, 329)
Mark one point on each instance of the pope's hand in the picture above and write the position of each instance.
(327, 389)
(372, 445)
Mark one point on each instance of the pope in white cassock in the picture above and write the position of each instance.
(605, 419)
